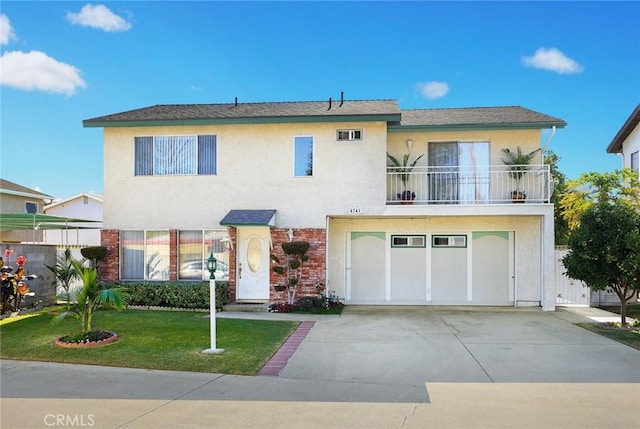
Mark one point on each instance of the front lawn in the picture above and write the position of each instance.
(151, 339)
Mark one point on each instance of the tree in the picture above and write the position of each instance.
(559, 187)
(91, 297)
(594, 188)
(296, 255)
(604, 249)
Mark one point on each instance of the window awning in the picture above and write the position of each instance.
(249, 218)
(38, 221)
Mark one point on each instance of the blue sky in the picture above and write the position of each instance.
(63, 62)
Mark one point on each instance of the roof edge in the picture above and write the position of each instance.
(629, 125)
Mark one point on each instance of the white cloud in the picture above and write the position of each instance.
(6, 31)
(37, 71)
(552, 60)
(432, 90)
(98, 16)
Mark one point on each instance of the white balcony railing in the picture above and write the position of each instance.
(492, 184)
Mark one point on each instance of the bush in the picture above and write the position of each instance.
(190, 295)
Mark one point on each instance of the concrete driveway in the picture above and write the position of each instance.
(412, 345)
(374, 367)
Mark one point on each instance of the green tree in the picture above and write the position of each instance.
(559, 187)
(604, 250)
(64, 272)
(91, 297)
(593, 188)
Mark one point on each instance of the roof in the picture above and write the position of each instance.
(249, 218)
(237, 113)
(476, 117)
(97, 198)
(7, 187)
(630, 124)
(22, 221)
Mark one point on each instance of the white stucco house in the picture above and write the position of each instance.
(238, 179)
(82, 206)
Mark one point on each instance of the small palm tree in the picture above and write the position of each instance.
(64, 272)
(91, 297)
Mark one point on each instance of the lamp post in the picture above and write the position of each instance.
(211, 266)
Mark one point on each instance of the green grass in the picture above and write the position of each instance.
(624, 336)
(633, 310)
(152, 340)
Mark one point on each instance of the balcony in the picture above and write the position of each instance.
(492, 184)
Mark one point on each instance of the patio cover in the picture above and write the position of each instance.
(38, 221)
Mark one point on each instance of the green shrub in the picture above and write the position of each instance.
(189, 295)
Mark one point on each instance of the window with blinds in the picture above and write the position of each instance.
(175, 155)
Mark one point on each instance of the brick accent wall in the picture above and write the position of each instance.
(314, 270)
(110, 265)
(233, 241)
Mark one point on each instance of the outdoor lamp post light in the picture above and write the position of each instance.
(212, 264)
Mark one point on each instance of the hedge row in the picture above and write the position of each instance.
(174, 294)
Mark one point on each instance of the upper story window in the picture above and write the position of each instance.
(303, 156)
(30, 207)
(175, 155)
(634, 162)
(349, 135)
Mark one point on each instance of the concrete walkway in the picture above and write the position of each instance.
(372, 367)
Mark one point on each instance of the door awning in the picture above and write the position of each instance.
(249, 218)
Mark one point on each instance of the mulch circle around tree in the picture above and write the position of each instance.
(89, 339)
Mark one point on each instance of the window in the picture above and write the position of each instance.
(145, 255)
(459, 171)
(634, 162)
(30, 207)
(303, 156)
(449, 241)
(408, 241)
(349, 135)
(175, 155)
(194, 249)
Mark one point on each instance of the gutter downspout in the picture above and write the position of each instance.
(546, 145)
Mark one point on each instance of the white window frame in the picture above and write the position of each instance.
(453, 240)
(295, 155)
(355, 134)
(32, 204)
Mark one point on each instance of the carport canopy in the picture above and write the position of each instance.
(38, 221)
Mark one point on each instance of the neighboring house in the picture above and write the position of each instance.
(627, 141)
(240, 179)
(82, 206)
(18, 199)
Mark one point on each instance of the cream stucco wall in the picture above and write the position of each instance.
(531, 268)
(254, 171)
(527, 140)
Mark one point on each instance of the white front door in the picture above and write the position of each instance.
(252, 270)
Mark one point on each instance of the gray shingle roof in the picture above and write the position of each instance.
(178, 112)
(477, 116)
(13, 188)
(249, 217)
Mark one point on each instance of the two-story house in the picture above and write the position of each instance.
(82, 206)
(239, 179)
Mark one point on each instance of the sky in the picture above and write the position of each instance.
(63, 62)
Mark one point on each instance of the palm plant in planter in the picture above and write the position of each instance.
(88, 299)
(518, 164)
(404, 168)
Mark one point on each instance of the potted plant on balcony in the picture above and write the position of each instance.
(403, 168)
(518, 165)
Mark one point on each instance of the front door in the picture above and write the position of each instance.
(252, 271)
